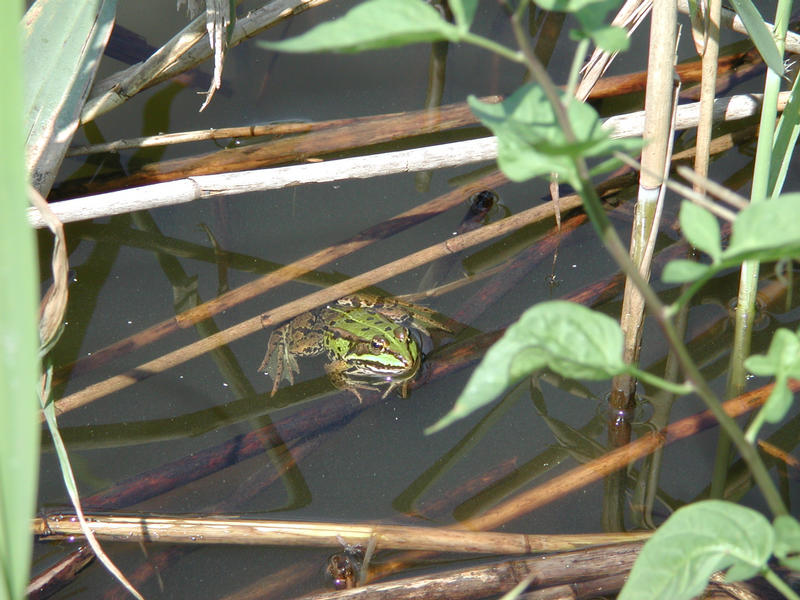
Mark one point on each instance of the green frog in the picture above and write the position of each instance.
(365, 337)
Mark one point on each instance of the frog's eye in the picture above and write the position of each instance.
(379, 344)
(401, 333)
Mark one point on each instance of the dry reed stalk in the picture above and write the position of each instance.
(731, 20)
(292, 309)
(199, 135)
(497, 578)
(334, 136)
(207, 186)
(186, 49)
(221, 530)
(710, 53)
(660, 104)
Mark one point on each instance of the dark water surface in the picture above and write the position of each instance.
(366, 466)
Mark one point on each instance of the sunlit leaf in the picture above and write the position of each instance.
(591, 15)
(787, 541)
(463, 12)
(693, 543)
(19, 361)
(786, 135)
(63, 42)
(681, 271)
(530, 140)
(567, 338)
(783, 362)
(701, 229)
(766, 231)
(610, 38)
(371, 25)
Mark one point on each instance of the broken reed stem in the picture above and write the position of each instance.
(568, 569)
(292, 309)
(221, 530)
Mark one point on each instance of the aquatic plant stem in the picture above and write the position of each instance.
(658, 310)
(779, 584)
(748, 279)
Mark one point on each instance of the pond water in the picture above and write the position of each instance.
(372, 462)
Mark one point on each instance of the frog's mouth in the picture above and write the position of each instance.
(366, 370)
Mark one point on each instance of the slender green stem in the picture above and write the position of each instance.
(779, 584)
(575, 69)
(748, 278)
(672, 387)
(492, 46)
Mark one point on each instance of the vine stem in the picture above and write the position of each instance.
(779, 584)
(657, 309)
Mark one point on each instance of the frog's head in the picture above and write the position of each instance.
(390, 354)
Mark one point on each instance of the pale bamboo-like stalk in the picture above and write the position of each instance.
(206, 186)
(729, 19)
(708, 82)
(222, 530)
(655, 158)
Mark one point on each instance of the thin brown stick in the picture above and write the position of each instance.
(333, 136)
(497, 578)
(595, 470)
(221, 530)
(292, 309)
(250, 290)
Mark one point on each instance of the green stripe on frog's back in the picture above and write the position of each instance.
(357, 334)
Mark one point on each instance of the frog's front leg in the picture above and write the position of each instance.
(337, 373)
(298, 337)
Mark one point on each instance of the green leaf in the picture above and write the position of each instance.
(591, 15)
(787, 541)
(463, 12)
(568, 338)
(530, 142)
(682, 271)
(783, 362)
(19, 360)
(693, 543)
(766, 231)
(759, 33)
(609, 38)
(701, 229)
(371, 25)
(63, 42)
(786, 136)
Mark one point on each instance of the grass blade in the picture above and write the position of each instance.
(19, 426)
